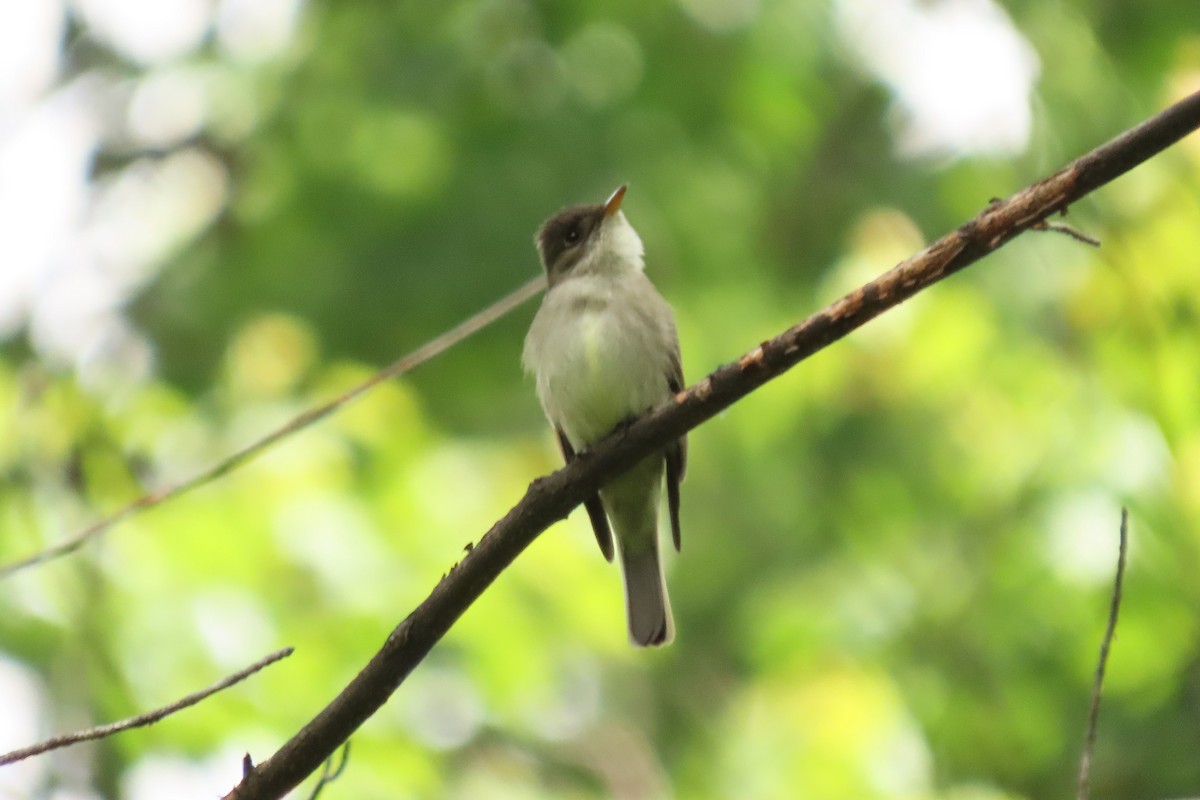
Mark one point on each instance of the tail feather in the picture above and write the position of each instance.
(646, 601)
(632, 504)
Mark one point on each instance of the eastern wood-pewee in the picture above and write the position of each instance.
(603, 348)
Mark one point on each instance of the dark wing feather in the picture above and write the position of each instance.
(676, 453)
(674, 469)
(593, 506)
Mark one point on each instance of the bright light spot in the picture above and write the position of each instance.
(149, 32)
(874, 606)
(22, 697)
(30, 34)
(453, 488)
(44, 166)
(72, 793)
(256, 30)
(1137, 457)
(75, 248)
(442, 708)
(71, 311)
(721, 16)
(818, 734)
(961, 72)
(151, 207)
(117, 356)
(569, 702)
(167, 107)
(136, 219)
(233, 625)
(899, 763)
(169, 775)
(1083, 535)
(339, 544)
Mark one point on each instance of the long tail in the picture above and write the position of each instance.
(646, 601)
(632, 504)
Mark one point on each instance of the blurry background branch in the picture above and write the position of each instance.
(1114, 609)
(141, 720)
(425, 352)
(552, 498)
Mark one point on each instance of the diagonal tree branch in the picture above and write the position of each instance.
(141, 720)
(434, 347)
(551, 498)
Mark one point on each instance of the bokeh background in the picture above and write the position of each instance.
(897, 559)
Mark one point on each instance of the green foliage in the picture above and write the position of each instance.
(897, 559)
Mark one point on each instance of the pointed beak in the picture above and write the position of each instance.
(613, 204)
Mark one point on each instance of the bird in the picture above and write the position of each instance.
(603, 349)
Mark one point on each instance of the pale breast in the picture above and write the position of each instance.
(599, 355)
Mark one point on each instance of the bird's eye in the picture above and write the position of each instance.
(572, 236)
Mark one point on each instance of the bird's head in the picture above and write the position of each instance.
(592, 238)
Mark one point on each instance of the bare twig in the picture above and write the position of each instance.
(142, 720)
(329, 773)
(425, 352)
(551, 498)
(1060, 227)
(1067, 230)
(1114, 608)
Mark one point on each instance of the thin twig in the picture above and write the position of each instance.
(1067, 230)
(432, 348)
(1059, 227)
(1114, 608)
(329, 773)
(142, 720)
(551, 498)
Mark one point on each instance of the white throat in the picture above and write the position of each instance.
(617, 250)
